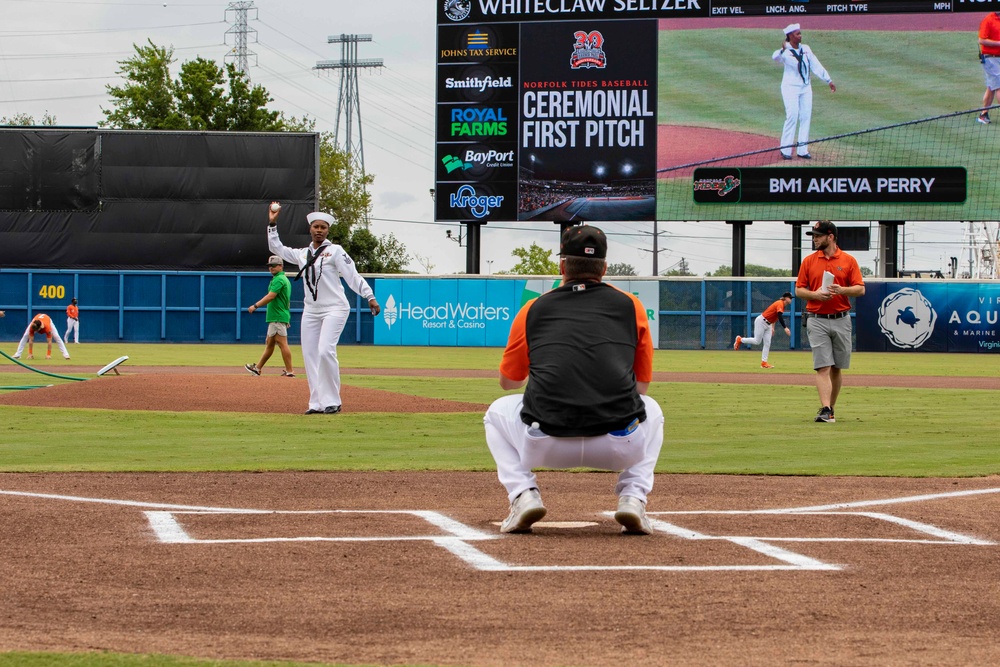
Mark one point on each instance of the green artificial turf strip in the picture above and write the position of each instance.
(710, 428)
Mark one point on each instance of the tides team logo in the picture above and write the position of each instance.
(457, 10)
(588, 50)
(723, 185)
(907, 318)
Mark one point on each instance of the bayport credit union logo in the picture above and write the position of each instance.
(478, 205)
(907, 318)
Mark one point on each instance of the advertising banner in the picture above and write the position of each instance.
(929, 317)
(456, 312)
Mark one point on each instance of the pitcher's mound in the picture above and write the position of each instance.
(220, 393)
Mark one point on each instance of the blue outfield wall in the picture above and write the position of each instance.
(152, 307)
(688, 313)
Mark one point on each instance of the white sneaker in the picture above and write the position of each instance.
(631, 515)
(526, 509)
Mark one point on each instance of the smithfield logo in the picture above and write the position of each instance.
(457, 10)
(478, 205)
(588, 51)
(390, 313)
(723, 185)
(907, 318)
(480, 83)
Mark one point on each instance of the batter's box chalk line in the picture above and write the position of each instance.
(165, 520)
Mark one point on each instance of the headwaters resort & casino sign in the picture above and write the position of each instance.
(472, 312)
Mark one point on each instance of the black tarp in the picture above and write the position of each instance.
(99, 199)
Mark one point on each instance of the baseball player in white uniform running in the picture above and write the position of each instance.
(325, 305)
(796, 90)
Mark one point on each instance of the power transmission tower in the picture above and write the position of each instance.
(239, 53)
(349, 104)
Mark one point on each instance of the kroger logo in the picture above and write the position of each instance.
(907, 318)
(478, 205)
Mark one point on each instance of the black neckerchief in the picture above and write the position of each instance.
(312, 276)
(802, 66)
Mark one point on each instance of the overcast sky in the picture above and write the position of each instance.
(58, 56)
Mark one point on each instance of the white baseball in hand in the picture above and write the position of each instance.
(276, 207)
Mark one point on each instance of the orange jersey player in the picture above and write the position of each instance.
(41, 323)
(72, 321)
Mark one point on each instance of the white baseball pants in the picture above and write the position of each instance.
(798, 111)
(72, 325)
(517, 449)
(55, 337)
(761, 336)
(319, 337)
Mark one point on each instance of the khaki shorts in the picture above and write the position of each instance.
(277, 329)
(830, 341)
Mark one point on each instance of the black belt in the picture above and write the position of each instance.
(987, 55)
(831, 316)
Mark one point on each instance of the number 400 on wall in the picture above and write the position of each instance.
(52, 292)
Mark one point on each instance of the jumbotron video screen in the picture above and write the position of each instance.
(689, 110)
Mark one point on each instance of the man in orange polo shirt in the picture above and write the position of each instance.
(41, 323)
(989, 54)
(826, 279)
(584, 354)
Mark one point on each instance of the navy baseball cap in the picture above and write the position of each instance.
(584, 241)
(823, 227)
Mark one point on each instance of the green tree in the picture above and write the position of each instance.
(203, 97)
(865, 271)
(753, 271)
(535, 261)
(27, 120)
(621, 269)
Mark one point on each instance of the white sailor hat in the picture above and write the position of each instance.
(792, 28)
(325, 217)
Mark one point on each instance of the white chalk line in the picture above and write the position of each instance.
(162, 520)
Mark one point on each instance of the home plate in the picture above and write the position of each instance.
(558, 524)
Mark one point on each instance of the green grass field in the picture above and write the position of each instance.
(711, 427)
(878, 84)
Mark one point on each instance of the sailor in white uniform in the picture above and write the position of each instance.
(796, 90)
(325, 305)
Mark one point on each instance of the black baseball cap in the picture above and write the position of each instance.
(584, 241)
(787, 295)
(823, 227)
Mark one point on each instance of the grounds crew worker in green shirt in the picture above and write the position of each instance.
(279, 294)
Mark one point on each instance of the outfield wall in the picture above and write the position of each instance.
(688, 313)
